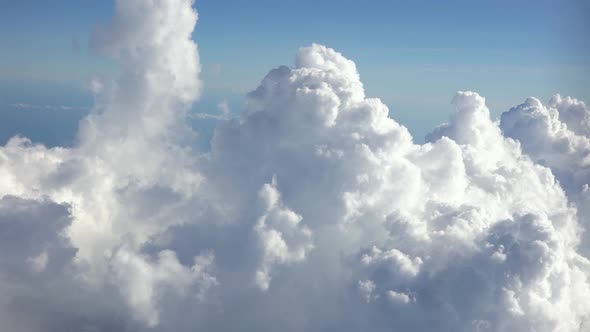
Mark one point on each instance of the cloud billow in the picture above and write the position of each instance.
(314, 210)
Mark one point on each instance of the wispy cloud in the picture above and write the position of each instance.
(223, 113)
(25, 106)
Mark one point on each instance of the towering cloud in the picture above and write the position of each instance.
(313, 211)
(132, 172)
(463, 231)
(557, 135)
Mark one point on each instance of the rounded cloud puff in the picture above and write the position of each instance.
(557, 135)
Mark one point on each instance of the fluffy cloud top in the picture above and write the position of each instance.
(314, 210)
(557, 135)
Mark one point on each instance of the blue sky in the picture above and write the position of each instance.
(412, 54)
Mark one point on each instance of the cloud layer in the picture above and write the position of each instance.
(314, 210)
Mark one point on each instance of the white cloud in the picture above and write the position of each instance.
(141, 279)
(24, 106)
(222, 114)
(282, 238)
(366, 288)
(131, 173)
(399, 298)
(432, 213)
(557, 135)
(359, 229)
(39, 285)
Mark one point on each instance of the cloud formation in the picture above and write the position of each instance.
(314, 210)
(557, 135)
(23, 106)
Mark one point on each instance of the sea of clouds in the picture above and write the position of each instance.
(312, 211)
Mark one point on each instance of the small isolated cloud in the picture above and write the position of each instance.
(313, 210)
(22, 106)
(223, 108)
(95, 85)
(223, 113)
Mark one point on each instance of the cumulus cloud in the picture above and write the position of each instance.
(39, 286)
(314, 210)
(557, 135)
(141, 279)
(131, 172)
(281, 237)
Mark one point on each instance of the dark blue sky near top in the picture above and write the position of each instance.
(414, 55)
